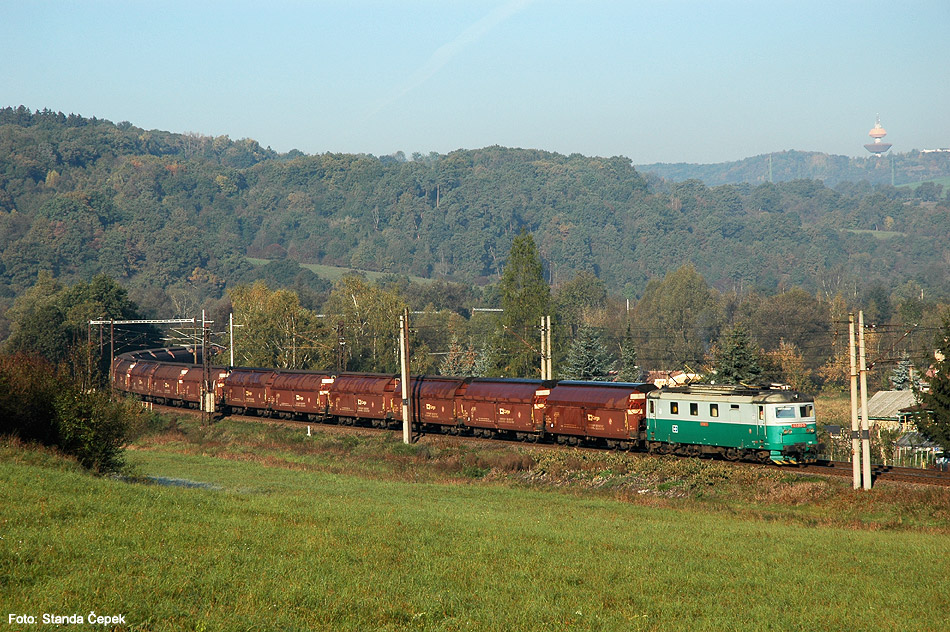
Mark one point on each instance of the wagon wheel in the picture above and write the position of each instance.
(731, 454)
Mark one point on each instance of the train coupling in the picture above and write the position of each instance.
(797, 454)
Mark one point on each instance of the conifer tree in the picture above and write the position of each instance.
(485, 362)
(736, 359)
(900, 376)
(629, 370)
(525, 297)
(460, 361)
(934, 419)
(588, 358)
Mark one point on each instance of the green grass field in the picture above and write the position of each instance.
(945, 181)
(335, 273)
(245, 526)
(880, 235)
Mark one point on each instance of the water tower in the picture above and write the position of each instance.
(878, 148)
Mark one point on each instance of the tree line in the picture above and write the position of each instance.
(174, 218)
(680, 324)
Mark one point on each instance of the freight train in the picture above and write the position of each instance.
(731, 422)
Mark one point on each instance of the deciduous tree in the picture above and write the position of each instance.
(681, 315)
(370, 324)
(275, 331)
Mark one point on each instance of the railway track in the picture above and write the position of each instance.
(882, 473)
(841, 469)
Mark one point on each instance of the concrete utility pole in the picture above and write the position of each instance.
(865, 427)
(855, 432)
(550, 365)
(341, 347)
(544, 350)
(547, 361)
(112, 356)
(207, 387)
(404, 368)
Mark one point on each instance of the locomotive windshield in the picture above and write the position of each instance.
(785, 412)
(795, 411)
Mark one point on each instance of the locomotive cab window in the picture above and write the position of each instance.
(785, 412)
(674, 408)
(807, 410)
(714, 410)
(694, 409)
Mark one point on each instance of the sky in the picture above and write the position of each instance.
(661, 81)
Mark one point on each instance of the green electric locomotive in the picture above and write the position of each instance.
(732, 421)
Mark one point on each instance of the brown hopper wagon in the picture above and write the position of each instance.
(598, 410)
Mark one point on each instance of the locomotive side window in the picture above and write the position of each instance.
(807, 410)
(714, 410)
(693, 409)
(674, 408)
(761, 413)
(651, 406)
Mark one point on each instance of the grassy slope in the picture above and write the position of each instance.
(335, 273)
(297, 533)
(945, 181)
(877, 234)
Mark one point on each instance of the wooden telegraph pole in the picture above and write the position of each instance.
(404, 368)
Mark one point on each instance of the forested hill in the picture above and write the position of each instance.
(894, 168)
(167, 213)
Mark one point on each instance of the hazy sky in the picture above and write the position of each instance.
(669, 81)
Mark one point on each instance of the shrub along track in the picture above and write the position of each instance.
(838, 469)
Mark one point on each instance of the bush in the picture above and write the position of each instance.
(93, 428)
(28, 389)
(43, 404)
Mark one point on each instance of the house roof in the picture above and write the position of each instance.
(888, 404)
(915, 440)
